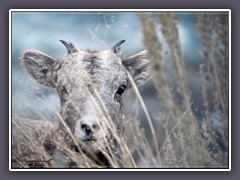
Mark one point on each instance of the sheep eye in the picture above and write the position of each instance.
(64, 93)
(119, 93)
(63, 90)
(121, 90)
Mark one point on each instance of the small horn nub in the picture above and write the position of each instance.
(116, 47)
(70, 47)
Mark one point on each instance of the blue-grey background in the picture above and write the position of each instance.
(94, 30)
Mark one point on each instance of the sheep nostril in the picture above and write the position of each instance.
(87, 129)
(95, 126)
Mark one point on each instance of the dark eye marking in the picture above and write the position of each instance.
(119, 93)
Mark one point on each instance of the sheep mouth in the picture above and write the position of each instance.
(90, 140)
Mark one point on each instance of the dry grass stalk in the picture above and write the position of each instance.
(214, 32)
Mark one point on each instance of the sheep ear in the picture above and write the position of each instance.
(116, 47)
(139, 67)
(38, 65)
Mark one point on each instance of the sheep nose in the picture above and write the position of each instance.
(89, 130)
(86, 129)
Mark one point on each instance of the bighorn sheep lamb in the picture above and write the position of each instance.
(91, 86)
